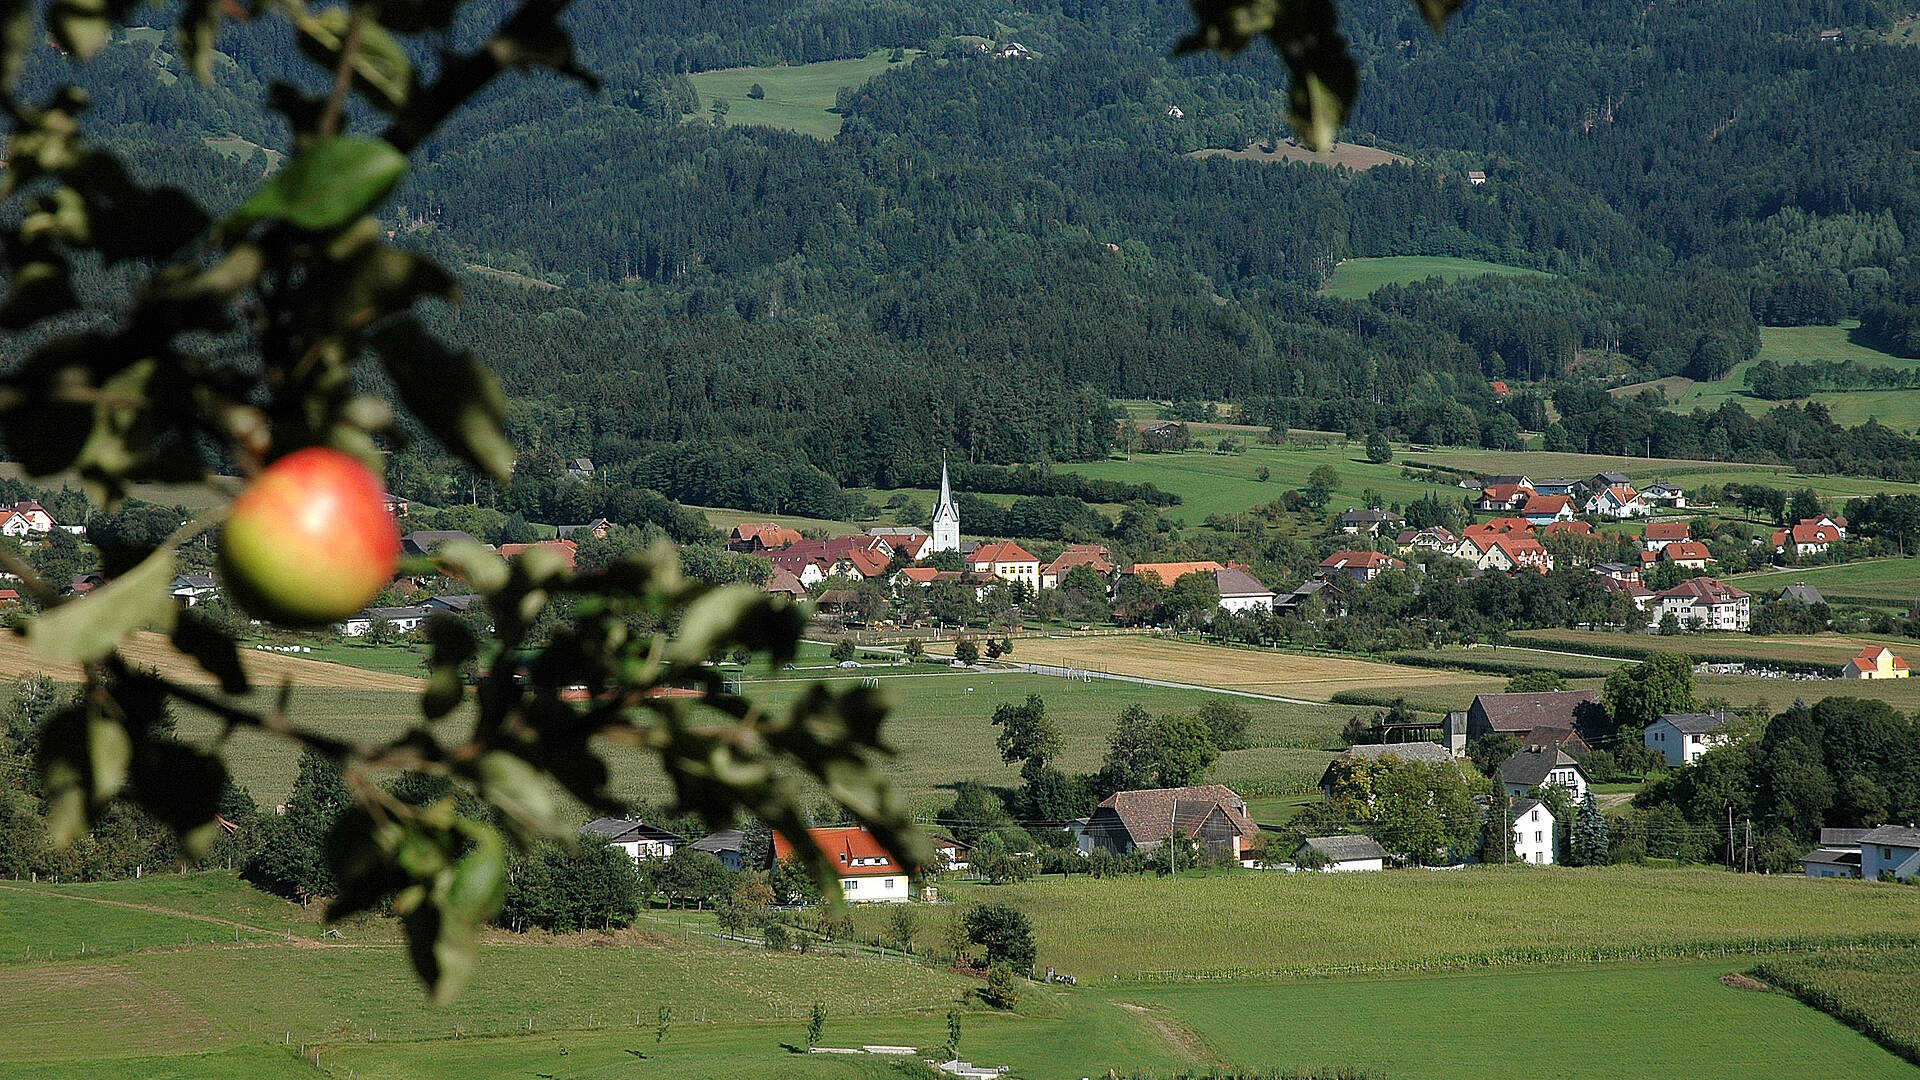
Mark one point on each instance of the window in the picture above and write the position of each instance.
(1536, 836)
(1886, 854)
(890, 883)
(1536, 816)
(850, 885)
(1539, 856)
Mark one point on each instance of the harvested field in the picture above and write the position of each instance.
(266, 669)
(94, 1011)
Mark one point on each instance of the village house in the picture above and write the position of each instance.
(454, 604)
(1166, 573)
(1811, 536)
(25, 519)
(1324, 590)
(1890, 853)
(1355, 522)
(1661, 493)
(1094, 557)
(1837, 856)
(782, 582)
(1546, 509)
(1702, 604)
(190, 589)
(1007, 561)
(394, 504)
(1619, 572)
(580, 468)
(1570, 528)
(1343, 854)
(953, 853)
(762, 536)
(427, 541)
(1475, 178)
(1504, 497)
(1877, 663)
(910, 544)
(1537, 766)
(1618, 501)
(637, 838)
(1532, 823)
(727, 845)
(1518, 714)
(869, 874)
(404, 620)
(1360, 565)
(1437, 539)
(1241, 591)
(598, 528)
(1557, 485)
(1682, 737)
(565, 550)
(1802, 593)
(1687, 554)
(1658, 534)
(1210, 815)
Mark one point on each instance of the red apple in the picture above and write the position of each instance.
(310, 540)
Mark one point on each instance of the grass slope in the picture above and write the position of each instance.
(798, 97)
(1868, 989)
(1810, 344)
(1356, 279)
(1896, 581)
(1444, 1028)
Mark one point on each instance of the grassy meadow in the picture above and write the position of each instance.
(1356, 279)
(1868, 989)
(799, 97)
(1808, 344)
(1211, 483)
(1880, 581)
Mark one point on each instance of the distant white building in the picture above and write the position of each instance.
(1533, 825)
(1702, 604)
(1682, 737)
(1537, 766)
(946, 518)
(1345, 853)
(637, 838)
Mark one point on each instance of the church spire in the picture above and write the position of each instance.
(946, 516)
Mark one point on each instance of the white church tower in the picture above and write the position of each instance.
(946, 518)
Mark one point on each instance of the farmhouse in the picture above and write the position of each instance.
(1504, 497)
(762, 536)
(1890, 852)
(567, 550)
(782, 582)
(869, 874)
(1877, 663)
(1661, 493)
(1702, 603)
(1837, 856)
(1241, 591)
(1095, 557)
(1325, 591)
(404, 620)
(1538, 766)
(1339, 854)
(1803, 593)
(1166, 573)
(1811, 536)
(1434, 538)
(1354, 522)
(1547, 509)
(1518, 714)
(427, 541)
(637, 838)
(190, 589)
(598, 529)
(1360, 565)
(1210, 814)
(1682, 737)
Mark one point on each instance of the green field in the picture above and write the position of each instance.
(1305, 924)
(1809, 344)
(1443, 1028)
(1356, 279)
(1892, 581)
(798, 97)
(1210, 483)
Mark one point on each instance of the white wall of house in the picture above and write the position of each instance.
(1350, 865)
(1566, 776)
(876, 889)
(1818, 869)
(1234, 605)
(1729, 616)
(647, 849)
(1877, 860)
(1533, 837)
(1678, 747)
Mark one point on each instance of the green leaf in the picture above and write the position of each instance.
(1306, 34)
(329, 186)
(90, 627)
(82, 759)
(83, 27)
(40, 289)
(1437, 12)
(453, 645)
(381, 70)
(213, 650)
(181, 786)
(453, 394)
(199, 26)
(16, 37)
(474, 563)
(520, 793)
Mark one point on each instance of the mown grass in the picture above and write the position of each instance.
(1827, 648)
(160, 910)
(1210, 483)
(1893, 580)
(799, 97)
(1356, 279)
(1303, 924)
(1813, 344)
(1872, 991)
(1447, 1028)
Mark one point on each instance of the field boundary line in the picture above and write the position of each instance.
(155, 909)
(1059, 672)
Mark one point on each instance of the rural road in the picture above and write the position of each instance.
(1083, 673)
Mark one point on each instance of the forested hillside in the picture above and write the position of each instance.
(995, 245)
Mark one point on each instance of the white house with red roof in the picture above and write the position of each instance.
(869, 874)
(1702, 604)
(1547, 509)
(1434, 538)
(1658, 534)
(1360, 565)
(1505, 497)
(909, 543)
(1166, 573)
(1616, 501)
(1809, 536)
(24, 519)
(1094, 557)
(1687, 554)
(1877, 663)
(1007, 561)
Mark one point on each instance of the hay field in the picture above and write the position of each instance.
(1311, 678)
(1893, 581)
(1356, 279)
(799, 97)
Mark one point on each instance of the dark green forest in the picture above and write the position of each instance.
(993, 248)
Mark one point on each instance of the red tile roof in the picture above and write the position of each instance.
(1686, 550)
(1577, 528)
(1350, 560)
(1705, 591)
(1547, 504)
(1093, 555)
(843, 845)
(1170, 572)
(769, 534)
(1869, 659)
(566, 549)
(1668, 530)
(1008, 552)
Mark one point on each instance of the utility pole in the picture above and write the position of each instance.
(1747, 855)
(1729, 836)
(1172, 816)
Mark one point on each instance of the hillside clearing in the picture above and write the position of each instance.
(1350, 155)
(1356, 279)
(799, 97)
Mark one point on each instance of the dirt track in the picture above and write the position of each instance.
(266, 669)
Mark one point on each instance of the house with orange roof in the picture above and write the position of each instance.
(1506, 552)
(1547, 509)
(1359, 565)
(1702, 604)
(869, 873)
(1166, 573)
(1810, 536)
(1570, 528)
(1877, 663)
(1007, 561)
(1504, 497)
(1618, 501)
(909, 543)
(566, 549)
(762, 536)
(1687, 554)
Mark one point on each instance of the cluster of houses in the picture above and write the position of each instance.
(408, 618)
(1883, 853)
(1607, 494)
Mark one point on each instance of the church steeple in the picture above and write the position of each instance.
(946, 516)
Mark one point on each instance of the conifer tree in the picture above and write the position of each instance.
(1589, 844)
